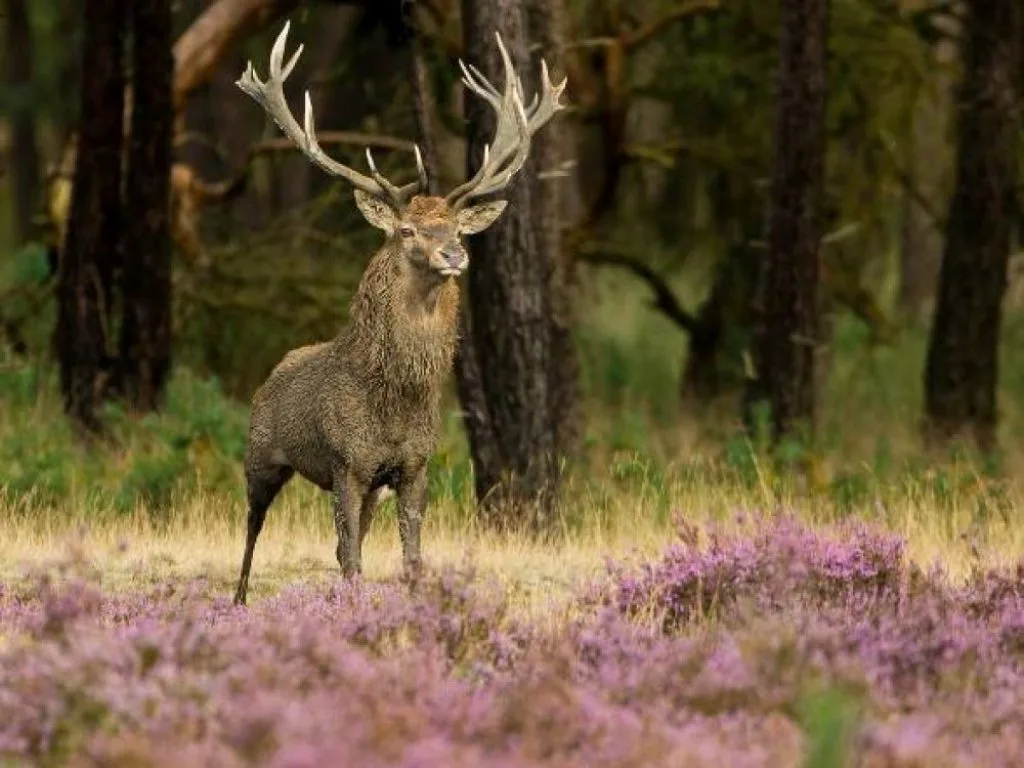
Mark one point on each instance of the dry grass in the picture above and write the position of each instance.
(203, 537)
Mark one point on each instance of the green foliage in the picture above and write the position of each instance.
(270, 291)
(829, 718)
(196, 442)
(32, 458)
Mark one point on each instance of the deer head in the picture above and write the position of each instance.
(426, 230)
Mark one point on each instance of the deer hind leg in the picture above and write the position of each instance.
(262, 489)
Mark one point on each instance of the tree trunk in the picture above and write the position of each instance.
(333, 40)
(24, 147)
(93, 237)
(721, 334)
(504, 367)
(555, 196)
(921, 236)
(69, 31)
(788, 329)
(425, 138)
(714, 358)
(962, 366)
(145, 351)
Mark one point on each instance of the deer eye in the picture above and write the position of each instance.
(406, 231)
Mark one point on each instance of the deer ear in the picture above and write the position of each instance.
(376, 211)
(477, 218)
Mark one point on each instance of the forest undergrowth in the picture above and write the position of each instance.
(175, 476)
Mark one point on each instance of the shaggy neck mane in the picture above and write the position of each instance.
(402, 332)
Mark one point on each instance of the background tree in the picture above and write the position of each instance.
(961, 373)
(93, 241)
(556, 203)
(145, 344)
(508, 353)
(929, 171)
(21, 106)
(789, 323)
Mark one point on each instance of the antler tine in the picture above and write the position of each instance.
(507, 153)
(508, 136)
(421, 169)
(277, 55)
(399, 194)
(545, 104)
(532, 105)
(378, 177)
(479, 82)
(501, 103)
(270, 96)
(496, 180)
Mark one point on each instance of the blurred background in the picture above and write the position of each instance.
(776, 244)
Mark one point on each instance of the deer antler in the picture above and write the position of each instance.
(507, 153)
(270, 96)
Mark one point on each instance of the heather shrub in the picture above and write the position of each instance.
(826, 648)
(783, 563)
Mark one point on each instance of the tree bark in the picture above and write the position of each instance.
(425, 137)
(24, 146)
(504, 367)
(145, 350)
(93, 237)
(788, 329)
(554, 198)
(961, 372)
(68, 30)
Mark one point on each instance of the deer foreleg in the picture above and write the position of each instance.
(412, 504)
(347, 504)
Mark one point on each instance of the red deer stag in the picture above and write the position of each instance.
(360, 413)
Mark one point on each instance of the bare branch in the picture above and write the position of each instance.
(664, 299)
(223, 24)
(652, 29)
(354, 138)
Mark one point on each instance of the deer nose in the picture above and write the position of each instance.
(453, 255)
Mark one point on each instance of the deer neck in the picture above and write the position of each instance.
(402, 330)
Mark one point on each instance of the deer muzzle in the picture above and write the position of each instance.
(453, 260)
